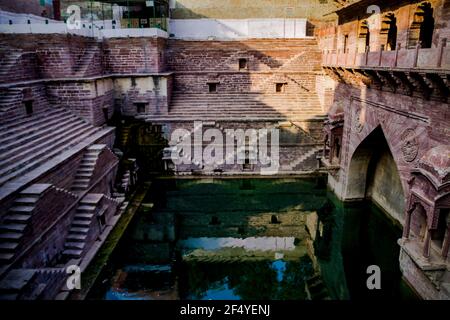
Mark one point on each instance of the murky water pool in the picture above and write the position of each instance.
(233, 239)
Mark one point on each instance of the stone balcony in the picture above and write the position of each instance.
(418, 58)
(424, 71)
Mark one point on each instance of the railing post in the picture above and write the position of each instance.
(442, 46)
(397, 49)
(380, 55)
(416, 53)
(366, 57)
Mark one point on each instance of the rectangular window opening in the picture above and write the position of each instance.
(279, 87)
(212, 87)
(140, 107)
(29, 107)
(242, 64)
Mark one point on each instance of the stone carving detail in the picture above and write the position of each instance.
(358, 123)
(410, 146)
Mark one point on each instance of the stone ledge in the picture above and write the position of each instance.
(434, 263)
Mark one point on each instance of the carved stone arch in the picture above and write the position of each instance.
(373, 173)
(422, 26)
(363, 36)
(388, 32)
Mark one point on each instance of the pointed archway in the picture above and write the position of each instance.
(373, 174)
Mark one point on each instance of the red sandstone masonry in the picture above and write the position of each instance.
(434, 133)
(134, 55)
(48, 209)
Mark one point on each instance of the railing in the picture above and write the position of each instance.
(422, 58)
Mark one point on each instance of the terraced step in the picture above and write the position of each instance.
(46, 154)
(8, 246)
(25, 121)
(86, 208)
(81, 223)
(77, 236)
(19, 150)
(10, 236)
(85, 216)
(6, 257)
(18, 218)
(79, 230)
(75, 245)
(26, 200)
(22, 209)
(73, 253)
(13, 227)
(23, 135)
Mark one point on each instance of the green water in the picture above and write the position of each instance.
(233, 239)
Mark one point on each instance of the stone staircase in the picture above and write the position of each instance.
(9, 59)
(297, 163)
(17, 221)
(29, 142)
(84, 60)
(241, 106)
(85, 171)
(31, 284)
(9, 98)
(81, 225)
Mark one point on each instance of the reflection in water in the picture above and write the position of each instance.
(317, 249)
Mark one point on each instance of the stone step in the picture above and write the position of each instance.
(44, 155)
(73, 253)
(79, 230)
(10, 124)
(18, 227)
(4, 236)
(88, 161)
(42, 138)
(8, 246)
(74, 245)
(26, 134)
(87, 167)
(193, 112)
(22, 209)
(84, 216)
(82, 176)
(6, 257)
(27, 201)
(84, 208)
(77, 237)
(81, 223)
(82, 181)
(78, 188)
(18, 218)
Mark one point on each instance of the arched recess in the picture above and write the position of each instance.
(373, 174)
(363, 37)
(430, 191)
(422, 27)
(388, 32)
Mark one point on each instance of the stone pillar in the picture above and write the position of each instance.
(397, 49)
(407, 226)
(426, 246)
(442, 46)
(416, 53)
(446, 244)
